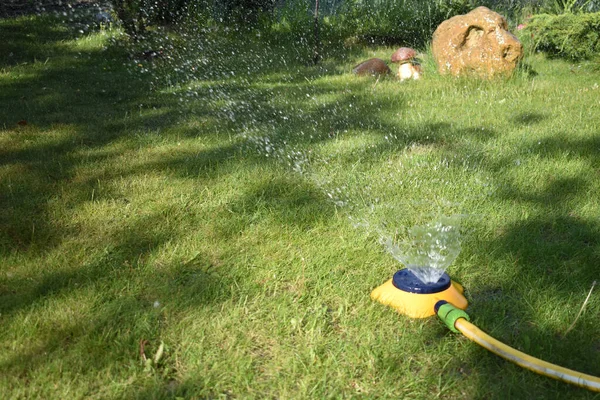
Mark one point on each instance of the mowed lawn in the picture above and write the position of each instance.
(207, 224)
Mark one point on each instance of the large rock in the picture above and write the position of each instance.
(477, 43)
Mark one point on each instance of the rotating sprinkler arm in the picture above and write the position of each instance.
(458, 321)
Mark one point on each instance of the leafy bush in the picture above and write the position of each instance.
(136, 15)
(407, 22)
(572, 36)
(570, 6)
(248, 11)
(394, 22)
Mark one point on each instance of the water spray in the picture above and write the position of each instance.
(407, 293)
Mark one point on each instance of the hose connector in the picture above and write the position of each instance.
(449, 314)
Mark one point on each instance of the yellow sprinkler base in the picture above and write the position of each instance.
(411, 297)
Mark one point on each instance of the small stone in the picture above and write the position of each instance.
(477, 43)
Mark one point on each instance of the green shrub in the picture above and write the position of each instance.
(406, 22)
(136, 15)
(409, 22)
(572, 36)
(569, 6)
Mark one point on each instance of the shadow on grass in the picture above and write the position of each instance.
(546, 261)
(293, 203)
(80, 112)
(125, 299)
(109, 115)
(529, 118)
(27, 39)
(550, 258)
(560, 254)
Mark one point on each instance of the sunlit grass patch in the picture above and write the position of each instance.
(232, 211)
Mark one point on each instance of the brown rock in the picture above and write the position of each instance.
(477, 43)
(373, 66)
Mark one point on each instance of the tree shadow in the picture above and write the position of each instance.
(555, 247)
(49, 165)
(43, 164)
(126, 295)
(24, 41)
(547, 261)
(560, 255)
(529, 118)
(291, 201)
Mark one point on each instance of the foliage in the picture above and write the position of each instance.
(409, 22)
(389, 21)
(136, 15)
(572, 36)
(569, 6)
(246, 11)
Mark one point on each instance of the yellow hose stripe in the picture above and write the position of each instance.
(526, 361)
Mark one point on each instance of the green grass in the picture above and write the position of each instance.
(147, 207)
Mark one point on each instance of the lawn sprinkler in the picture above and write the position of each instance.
(427, 252)
(412, 296)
